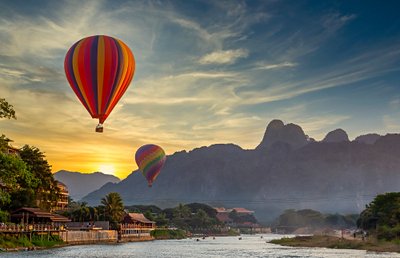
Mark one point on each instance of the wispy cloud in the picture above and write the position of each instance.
(224, 56)
(262, 66)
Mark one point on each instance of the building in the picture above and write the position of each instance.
(62, 202)
(136, 225)
(242, 211)
(223, 214)
(36, 215)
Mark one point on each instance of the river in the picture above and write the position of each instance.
(249, 246)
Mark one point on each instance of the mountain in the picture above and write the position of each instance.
(368, 138)
(285, 171)
(338, 135)
(80, 184)
(276, 132)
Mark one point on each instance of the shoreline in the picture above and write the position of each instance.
(117, 242)
(334, 242)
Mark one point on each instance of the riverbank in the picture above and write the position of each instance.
(338, 243)
(11, 243)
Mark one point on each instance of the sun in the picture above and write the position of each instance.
(107, 169)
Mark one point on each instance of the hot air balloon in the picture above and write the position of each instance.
(150, 159)
(99, 69)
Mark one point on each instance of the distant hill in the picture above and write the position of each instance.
(287, 170)
(80, 184)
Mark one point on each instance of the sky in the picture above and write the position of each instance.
(206, 72)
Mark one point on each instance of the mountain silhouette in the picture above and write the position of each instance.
(80, 184)
(285, 171)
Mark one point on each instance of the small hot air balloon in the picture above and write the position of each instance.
(99, 69)
(150, 159)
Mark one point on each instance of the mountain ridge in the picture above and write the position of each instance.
(80, 184)
(280, 173)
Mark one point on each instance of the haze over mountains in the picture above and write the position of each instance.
(80, 184)
(287, 170)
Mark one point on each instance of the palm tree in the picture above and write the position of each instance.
(113, 207)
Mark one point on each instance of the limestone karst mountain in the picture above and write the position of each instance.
(285, 171)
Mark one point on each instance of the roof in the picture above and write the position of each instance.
(242, 210)
(38, 213)
(223, 217)
(60, 183)
(220, 209)
(139, 217)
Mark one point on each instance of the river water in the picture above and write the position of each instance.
(249, 246)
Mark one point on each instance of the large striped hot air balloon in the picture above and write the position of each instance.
(99, 69)
(150, 159)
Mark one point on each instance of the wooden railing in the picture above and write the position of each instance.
(136, 227)
(30, 228)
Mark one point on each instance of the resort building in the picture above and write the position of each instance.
(36, 216)
(62, 202)
(136, 225)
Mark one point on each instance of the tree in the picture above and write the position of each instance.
(161, 220)
(113, 207)
(17, 182)
(47, 192)
(383, 216)
(182, 211)
(6, 110)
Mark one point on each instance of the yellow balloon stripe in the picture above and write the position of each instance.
(150, 157)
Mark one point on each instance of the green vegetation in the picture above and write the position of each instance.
(336, 242)
(168, 234)
(43, 241)
(292, 220)
(11, 242)
(6, 110)
(194, 217)
(113, 208)
(382, 217)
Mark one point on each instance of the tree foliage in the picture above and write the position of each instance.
(293, 219)
(383, 216)
(113, 207)
(18, 183)
(47, 192)
(6, 110)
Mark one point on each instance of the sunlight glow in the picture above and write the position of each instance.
(107, 169)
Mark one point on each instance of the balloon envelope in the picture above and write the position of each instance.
(150, 159)
(99, 69)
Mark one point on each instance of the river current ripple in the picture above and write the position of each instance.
(248, 246)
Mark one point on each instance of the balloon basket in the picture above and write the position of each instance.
(99, 128)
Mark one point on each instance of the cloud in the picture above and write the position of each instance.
(224, 56)
(274, 66)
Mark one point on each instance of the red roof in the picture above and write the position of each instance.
(223, 217)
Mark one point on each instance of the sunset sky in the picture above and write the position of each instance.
(206, 72)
